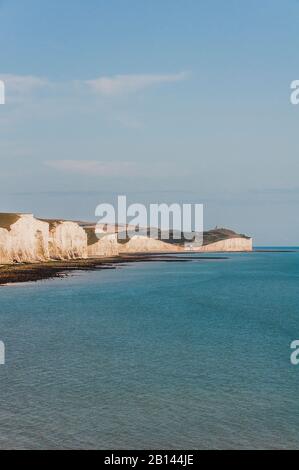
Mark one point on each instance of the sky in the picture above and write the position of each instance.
(164, 101)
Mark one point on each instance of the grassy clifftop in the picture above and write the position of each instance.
(219, 234)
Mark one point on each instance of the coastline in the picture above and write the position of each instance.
(31, 272)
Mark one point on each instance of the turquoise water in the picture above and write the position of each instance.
(154, 355)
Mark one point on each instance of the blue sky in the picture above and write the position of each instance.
(165, 101)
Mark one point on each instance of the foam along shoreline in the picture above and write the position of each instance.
(31, 272)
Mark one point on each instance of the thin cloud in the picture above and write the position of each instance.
(20, 84)
(93, 167)
(125, 84)
(118, 168)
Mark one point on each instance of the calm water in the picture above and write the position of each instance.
(154, 355)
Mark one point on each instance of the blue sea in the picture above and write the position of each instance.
(180, 355)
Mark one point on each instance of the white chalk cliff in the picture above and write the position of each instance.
(67, 240)
(101, 243)
(143, 244)
(24, 238)
(230, 244)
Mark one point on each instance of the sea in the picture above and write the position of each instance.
(154, 355)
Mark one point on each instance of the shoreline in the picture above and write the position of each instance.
(20, 273)
(33, 272)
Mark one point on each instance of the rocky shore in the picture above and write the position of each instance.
(31, 272)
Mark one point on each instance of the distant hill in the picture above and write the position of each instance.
(178, 238)
(219, 234)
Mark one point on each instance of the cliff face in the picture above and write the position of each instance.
(23, 239)
(230, 244)
(105, 246)
(143, 244)
(101, 242)
(26, 239)
(5, 250)
(66, 240)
